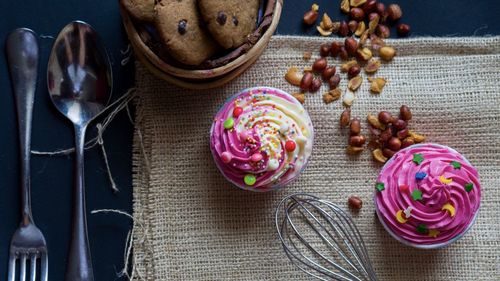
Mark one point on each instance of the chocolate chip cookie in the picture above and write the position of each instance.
(140, 9)
(229, 21)
(179, 26)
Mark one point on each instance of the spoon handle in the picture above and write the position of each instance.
(22, 56)
(79, 259)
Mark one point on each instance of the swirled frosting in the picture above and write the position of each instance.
(427, 195)
(261, 139)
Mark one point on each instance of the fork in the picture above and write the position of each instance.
(28, 243)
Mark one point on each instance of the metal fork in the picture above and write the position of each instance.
(28, 243)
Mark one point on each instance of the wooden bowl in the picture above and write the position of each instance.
(215, 72)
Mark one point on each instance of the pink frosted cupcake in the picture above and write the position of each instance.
(261, 139)
(427, 196)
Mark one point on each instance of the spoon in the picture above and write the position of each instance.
(79, 80)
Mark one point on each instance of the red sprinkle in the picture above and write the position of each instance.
(237, 111)
(403, 188)
(290, 145)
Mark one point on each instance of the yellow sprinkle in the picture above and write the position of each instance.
(400, 218)
(433, 233)
(444, 180)
(448, 207)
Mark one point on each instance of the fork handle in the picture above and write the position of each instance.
(22, 55)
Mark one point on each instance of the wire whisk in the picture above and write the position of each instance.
(322, 240)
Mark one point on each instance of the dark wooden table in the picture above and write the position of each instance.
(52, 176)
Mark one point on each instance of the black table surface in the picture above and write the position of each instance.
(52, 175)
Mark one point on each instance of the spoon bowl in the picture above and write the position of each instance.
(79, 81)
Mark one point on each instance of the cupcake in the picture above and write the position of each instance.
(261, 139)
(427, 196)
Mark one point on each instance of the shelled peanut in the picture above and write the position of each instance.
(356, 139)
(389, 133)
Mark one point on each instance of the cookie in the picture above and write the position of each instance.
(179, 26)
(140, 9)
(229, 21)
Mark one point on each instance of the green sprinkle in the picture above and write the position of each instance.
(456, 165)
(422, 228)
(418, 158)
(250, 179)
(416, 195)
(469, 186)
(229, 123)
(380, 186)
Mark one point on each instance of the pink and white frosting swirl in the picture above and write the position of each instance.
(427, 195)
(261, 139)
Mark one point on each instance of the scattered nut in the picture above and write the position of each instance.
(306, 81)
(351, 45)
(328, 72)
(416, 137)
(353, 25)
(335, 26)
(355, 127)
(310, 17)
(388, 153)
(323, 32)
(326, 22)
(387, 53)
(403, 29)
(403, 134)
(355, 202)
(394, 144)
(379, 156)
(335, 48)
(364, 54)
(343, 53)
(383, 31)
(349, 98)
(407, 142)
(355, 83)
(334, 81)
(377, 84)
(380, 8)
(394, 12)
(374, 19)
(357, 14)
(324, 50)
(399, 124)
(307, 56)
(372, 66)
(345, 7)
(373, 120)
(345, 117)
(385, 117)
(353, 71)
(347, 65)
(357, 140)
(343, 29)
(319, 64)
(332, 95)
(360, 29)
(301, 97)
(405, 113)
(369, 6)
(364, 37)
(315, 85)
(314, 7)
(352, 150)
(357, 3)
(293, 76)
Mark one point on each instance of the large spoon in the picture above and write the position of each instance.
(79, 79)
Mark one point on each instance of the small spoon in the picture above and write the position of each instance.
(79, 80)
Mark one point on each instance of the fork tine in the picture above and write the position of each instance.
(22, 273)
(44, 264)
(12, 268)
(33, 268)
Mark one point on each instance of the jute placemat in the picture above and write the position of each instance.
(191, 224)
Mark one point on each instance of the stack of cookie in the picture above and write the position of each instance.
(199, 44)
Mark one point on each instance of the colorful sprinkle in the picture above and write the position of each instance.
(416, 195)
(433, 233)
(301, 140)
(256, 157)
(229, 123)
(273, 165)
(290, 145)
(469, 186)
(399, 217)
(444, 180)
(404, 188)
(422, 228)
(448, 207)
(284, 128)
(237, 111)
(244, 135)
(418, 158)
(456, 164)
(420, 175)
(250, 179)
(226, 157)
(380, 186)
(407, 212)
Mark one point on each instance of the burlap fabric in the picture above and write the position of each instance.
(193, 225)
